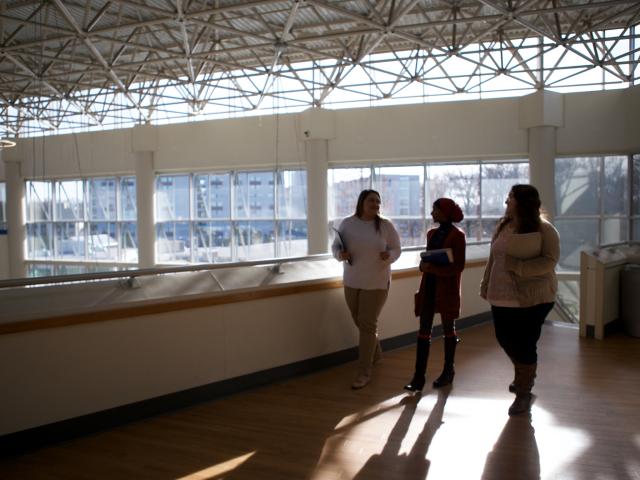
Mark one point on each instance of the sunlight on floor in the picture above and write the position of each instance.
(447, 437)
(219, 469)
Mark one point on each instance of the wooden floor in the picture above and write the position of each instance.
(585, 424)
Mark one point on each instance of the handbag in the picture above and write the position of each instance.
(417, 303)
(418, 297)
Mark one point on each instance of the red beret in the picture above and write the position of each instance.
(450, 208)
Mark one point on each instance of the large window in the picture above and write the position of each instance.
(593, 204)
(82, 220)
(231, 216)
(408, 193)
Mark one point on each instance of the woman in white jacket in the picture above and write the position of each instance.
(367, 244)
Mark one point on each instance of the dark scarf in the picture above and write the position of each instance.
(439, 236)
(436, 241)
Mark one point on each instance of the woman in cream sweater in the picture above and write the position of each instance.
(521, 290)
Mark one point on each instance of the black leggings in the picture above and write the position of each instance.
(426, 322)
(518, 330)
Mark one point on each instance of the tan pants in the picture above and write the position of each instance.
(365, 306)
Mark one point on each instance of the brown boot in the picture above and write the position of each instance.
(525, 377)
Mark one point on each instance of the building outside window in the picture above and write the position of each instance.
(408, 192)
(593, 204)
(212, 230)
(254, 229)
(292, 235)
(173, 212)
(231, 216)
(80, 220)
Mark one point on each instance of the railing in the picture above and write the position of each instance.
(130, 275)
(567, 305)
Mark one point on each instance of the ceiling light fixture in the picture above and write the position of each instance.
(6, 143)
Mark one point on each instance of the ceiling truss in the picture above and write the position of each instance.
(83, 64)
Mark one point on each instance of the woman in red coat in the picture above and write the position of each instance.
(440, 292)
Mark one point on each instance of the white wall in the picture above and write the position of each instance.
(247, 142)
(607, 122)
(595, 122)
(464, 130)
(55, 374)
(75, 155)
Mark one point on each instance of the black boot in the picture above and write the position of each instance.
(446, 377)
(422, 354)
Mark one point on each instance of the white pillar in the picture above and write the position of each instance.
(15, 219)
(145, 180)
(144, 142)
(542, 154)
(316, 152)
(541, 114)
(316, 128)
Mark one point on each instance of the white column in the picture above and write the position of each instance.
(542, 113)
(316, 128)
(316, 152)
(542, 154)
(145, 179)
(15, 219)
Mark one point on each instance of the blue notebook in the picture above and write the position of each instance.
(440, 256)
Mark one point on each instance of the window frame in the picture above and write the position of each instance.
(601, 216)
(425, 218)
(84, 223)
(235, 222)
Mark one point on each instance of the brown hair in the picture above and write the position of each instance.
(360, 206)
(527, 207)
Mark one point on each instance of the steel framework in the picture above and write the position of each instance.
(69, 65)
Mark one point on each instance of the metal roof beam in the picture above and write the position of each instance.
(96, 53)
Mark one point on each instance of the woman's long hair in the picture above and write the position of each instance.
(360, 206)
(527, 207)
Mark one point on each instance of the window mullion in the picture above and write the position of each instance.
(86, 217)
(479, 220)
(276, 214)
(232, 215)
(190, 193)
(117, 219)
